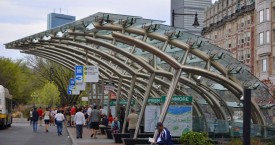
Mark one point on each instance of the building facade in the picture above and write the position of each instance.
(55, 20)
(189, 7)
(265, 57)
(230, 25)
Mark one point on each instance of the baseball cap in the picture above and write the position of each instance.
(159, 124)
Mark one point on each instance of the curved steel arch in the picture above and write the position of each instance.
(134, 28)
(219, 112)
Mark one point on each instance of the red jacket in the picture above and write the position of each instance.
(40, 112)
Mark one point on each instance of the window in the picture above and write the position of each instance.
(248, 36)
(267, 14)
(248, 19)
(264, 66)
(261, 38)
(242, 22)
(267, 37)
(261, 16)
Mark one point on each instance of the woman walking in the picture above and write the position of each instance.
(30, 118)
(47, 119)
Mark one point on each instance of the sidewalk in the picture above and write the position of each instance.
(87, 140)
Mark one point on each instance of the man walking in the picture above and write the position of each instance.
(79, 120)
(132, 120)
(35, 117)
(94, 121)
(59, 119)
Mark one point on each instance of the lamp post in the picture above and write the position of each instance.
(195, 24)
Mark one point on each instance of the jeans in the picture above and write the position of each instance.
(59, 125)
(132, 133)
(79, 130)
(34, 126)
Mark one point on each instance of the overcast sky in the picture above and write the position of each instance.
(20, 18)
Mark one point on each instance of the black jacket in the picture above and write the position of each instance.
(35, 115)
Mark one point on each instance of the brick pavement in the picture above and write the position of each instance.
(87, 140)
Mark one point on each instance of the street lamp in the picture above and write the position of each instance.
(195, 24)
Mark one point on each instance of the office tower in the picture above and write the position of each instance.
(55, 20)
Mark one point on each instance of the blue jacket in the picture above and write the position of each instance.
(165, 137)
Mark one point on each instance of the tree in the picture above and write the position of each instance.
(47, 70)
(18, 78)
(48, 95)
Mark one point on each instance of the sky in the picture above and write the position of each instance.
(21, 18)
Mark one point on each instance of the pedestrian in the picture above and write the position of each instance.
(40, 112)
(59, 117)
(115, 127)
(94, 121)
(53, 112)
(47, 119)
(30, 118)
(132, 120)
(111, 119)
(121, 116)
(104, 121)
(35, 117)
(79, 120)
(73, 111)
(164, 136)
(68, 116)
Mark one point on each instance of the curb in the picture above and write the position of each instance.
(71, 136)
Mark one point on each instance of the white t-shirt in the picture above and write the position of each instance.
(59, 117)
(89, 111)
(79, 118)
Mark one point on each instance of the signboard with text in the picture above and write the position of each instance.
(91, 74)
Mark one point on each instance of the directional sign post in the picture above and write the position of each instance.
(79, 74)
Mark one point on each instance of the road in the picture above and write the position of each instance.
(21, 134)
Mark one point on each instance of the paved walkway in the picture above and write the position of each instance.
(20, 133)
(87, 140)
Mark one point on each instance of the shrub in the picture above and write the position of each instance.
(195, 138)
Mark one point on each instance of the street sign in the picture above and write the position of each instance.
(84, 99)
(109, 86)
(79, 74)
(90, 74)
(154, 100)
(80, 86)
(179, 99)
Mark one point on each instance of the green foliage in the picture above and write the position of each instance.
(18, 78)
(48, 95)
(195, 138)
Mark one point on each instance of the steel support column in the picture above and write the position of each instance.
(130, 96)
(170, 93)
(143, 106)
(246, 116)
(118, 95)
(102, 93)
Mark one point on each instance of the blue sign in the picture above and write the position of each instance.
(79, 74)
(69, 90)
(72, 82)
